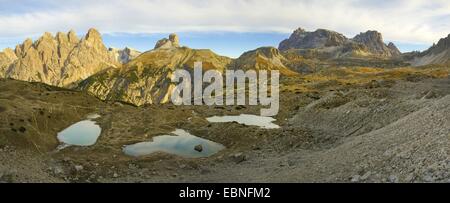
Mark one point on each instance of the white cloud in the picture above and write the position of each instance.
(413, 21)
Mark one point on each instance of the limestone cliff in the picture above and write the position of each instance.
(124, 55)
(324, 43)
(320, 38)
(437, 54)
(172, 42)
(61, 60)
(373, 40)
(264, 58)
(7, 57)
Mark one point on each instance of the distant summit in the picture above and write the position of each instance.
(124, 55)
(264, 58)
(373, 41)
(172, 42)
(320, 38)
(437, 54)
(7, 57)
(331, 44)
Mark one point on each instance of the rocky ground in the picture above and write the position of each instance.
(356, 125)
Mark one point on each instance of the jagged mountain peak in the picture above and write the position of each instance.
(147, 78)
(27, 43)
(8, 50)
(94, 38)
(62, 37)
(69, 37)
(330, 43)
(93, 34)
(373, 40)
(124, 55)
(263, 58)
(321, 38)
(72, 35)
(369, 37)
(22, 48)
(174, 39)
(437, 54)
(443, 44)
(394, 49)
(371, 34)
(7, 56)
(172, 42)
(60, 60)
(47, 35)
(299, 30)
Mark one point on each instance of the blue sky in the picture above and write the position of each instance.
(224, 43)
(229, 27)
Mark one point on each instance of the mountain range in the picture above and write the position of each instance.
(437, 54)
(330, 44)
(130, 76)
(61, 60)
(146, 79)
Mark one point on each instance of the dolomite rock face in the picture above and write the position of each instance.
(321, 38)
(174, 39)
(172, 42)
(147, 78)
(124, 55)
(437, 54)
(62, 60)
(330, 44)
(373, 40)
(7, 57)
(264, 58)
(394, 50)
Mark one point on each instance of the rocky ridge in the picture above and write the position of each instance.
(331, 44)
(373, 40)
(147, 78)
(172, 42)
(124, 55)
(437, 54)
(264, 58)
(62, 60)
(7, 57)
(144, 78)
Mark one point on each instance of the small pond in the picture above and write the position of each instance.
(181, 143)
(246, 119)
(83, 133)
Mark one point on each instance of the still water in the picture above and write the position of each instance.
(246, 119)
(83, 133)
(181, 143)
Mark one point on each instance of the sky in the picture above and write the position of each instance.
(228, 27)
